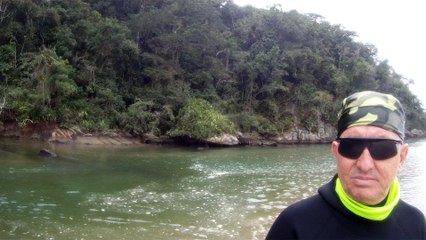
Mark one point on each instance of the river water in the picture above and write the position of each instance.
(154, 192)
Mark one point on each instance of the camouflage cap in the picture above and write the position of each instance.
(373, 109)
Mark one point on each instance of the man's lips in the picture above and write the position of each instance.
(364, 180)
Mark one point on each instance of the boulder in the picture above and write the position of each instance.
(150, 138)
(47, 153)
(223, 140)
(59, 135)
(415, 133)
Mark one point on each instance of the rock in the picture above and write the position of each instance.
(62, 135)
(150, 138)
(223, 140)
(47, 153)
(105, 140)
(244, 140)
(416, 133)
(296, 135)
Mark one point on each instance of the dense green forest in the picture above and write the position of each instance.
(182, 67)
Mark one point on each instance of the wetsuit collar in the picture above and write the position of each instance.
(375, 213)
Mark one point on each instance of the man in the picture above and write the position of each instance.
(362, 200)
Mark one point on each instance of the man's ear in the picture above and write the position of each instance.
(334, 147)
(403, 153)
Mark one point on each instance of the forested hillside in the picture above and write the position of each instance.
(182, 67)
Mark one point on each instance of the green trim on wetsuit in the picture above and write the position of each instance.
(372, 213)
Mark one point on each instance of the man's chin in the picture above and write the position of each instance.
(366, 196)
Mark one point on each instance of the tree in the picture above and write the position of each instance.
(97, 64)
(199, 120)
(43, 87)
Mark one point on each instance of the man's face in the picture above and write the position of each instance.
(364, 179)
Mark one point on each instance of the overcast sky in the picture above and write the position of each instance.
(395, 27)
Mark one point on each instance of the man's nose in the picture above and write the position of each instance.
(365, 162)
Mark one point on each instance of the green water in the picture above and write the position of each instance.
(153, 192)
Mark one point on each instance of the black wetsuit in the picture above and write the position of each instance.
(323, 216)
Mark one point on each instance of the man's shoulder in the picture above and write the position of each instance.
(307, 207)
(305, 218)
(408, 211)
(410, 220)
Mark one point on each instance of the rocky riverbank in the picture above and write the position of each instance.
(50, 132)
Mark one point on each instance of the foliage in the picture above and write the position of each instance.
(44, 87)
(198, 119)
(137, 65)
(256, 123)
(140, 118)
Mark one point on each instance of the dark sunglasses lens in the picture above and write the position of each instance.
(351, 148)
(382, 150)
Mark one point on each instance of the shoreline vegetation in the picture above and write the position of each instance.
(51, 133)
(204, 72)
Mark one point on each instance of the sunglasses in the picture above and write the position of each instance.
(379, 148)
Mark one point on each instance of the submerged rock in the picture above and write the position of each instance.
(47, 153)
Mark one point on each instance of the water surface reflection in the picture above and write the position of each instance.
(161, 193)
